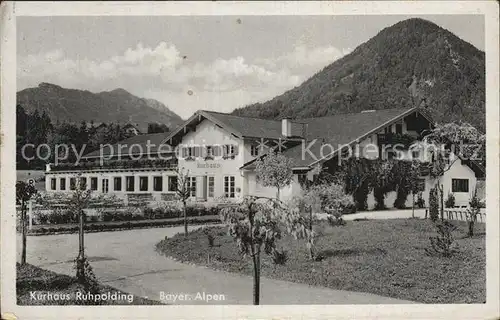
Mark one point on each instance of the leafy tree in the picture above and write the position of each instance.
(257, 223)
(452, 142)
(24, 193)
(157, 127)
(274, 170)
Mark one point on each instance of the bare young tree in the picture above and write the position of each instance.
(80, 199)
(24, 193)
(183, 191)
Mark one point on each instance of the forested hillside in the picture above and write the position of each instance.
(414, 62)
(116, 106)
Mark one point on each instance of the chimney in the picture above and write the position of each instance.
(286, 127)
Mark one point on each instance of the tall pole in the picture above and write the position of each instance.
(30, 214)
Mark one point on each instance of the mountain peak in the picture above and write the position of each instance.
(46, 85)
(73, 105)
(413, 57)
(120, 91)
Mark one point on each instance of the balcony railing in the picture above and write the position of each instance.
(117, 164)
(396, 138)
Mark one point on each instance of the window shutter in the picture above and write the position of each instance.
(184, 152)
(235, 150)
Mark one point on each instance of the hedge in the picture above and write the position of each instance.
(123, 225)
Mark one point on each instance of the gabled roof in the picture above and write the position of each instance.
(133, 146)
(339, 130)
(242, 127)
(254, 127)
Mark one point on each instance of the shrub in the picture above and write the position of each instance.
(443, 244)
(210, 237)
(434, 204)
(361, 197)
(450, 201)
(472, 212)
(280, 257)
(379, 196)
(93, 218)
(107, 216)
(401, 195)
(335, 221)
(350, 209)
(420, 202)
(42, 217)
(60, 216)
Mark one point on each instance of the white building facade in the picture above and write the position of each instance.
(218, 151)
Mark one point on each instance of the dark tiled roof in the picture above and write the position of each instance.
(336, 131)
(133, 145)
(254, 127)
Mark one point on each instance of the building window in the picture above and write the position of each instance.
(191, 184)
(399, 128)
(117, 183)
(415, 154)
(254, 150)
(130, 183)
(209, 153)
(93, 183)
(229, 186)
(211, 187)
(83, 183)
(72, 183)
(172, 183)
(62, 184)
(105, 185)
(143, 183)
(158, 183)
(229, 151)
(302, 179)
(459, 185)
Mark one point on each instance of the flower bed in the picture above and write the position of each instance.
(120, 225)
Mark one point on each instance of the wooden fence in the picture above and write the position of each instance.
(459, 214)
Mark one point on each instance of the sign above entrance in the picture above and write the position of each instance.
(208, 165)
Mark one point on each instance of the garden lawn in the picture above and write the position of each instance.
(31, 278)
(384, 257)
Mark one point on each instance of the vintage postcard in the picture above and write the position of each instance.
(250, 160)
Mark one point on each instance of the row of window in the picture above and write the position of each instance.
(225, 151)
(117, 183)
(130, 184)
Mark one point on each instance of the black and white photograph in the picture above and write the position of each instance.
(340, 157)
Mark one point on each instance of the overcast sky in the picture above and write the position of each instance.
(190, 63)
